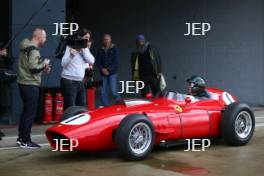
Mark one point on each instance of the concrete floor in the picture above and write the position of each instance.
(219, 159)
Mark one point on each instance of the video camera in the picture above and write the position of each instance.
(73, 41)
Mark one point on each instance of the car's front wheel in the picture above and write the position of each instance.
(238, 124)
(135, 137)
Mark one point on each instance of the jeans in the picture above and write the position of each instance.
(109, 81)
(73, 92)
(30, 97)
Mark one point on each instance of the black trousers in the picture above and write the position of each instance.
(73, 92)
(151, 83)
(5, 100)
(30, 97)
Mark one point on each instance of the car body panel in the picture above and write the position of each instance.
(172, 119)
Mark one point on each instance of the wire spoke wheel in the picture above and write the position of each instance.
(140, 138)
(243, 124)
(135, 137)
(237, 124)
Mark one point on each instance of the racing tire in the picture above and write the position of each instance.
(237, 124)
(135, 137)
(72, 111)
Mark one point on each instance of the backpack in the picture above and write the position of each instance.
(27, 50)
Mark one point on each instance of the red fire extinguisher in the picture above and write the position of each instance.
(90, 93)
(47, 108)
(58, 107)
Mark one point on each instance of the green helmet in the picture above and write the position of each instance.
(198, 84)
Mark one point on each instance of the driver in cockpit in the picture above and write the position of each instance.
(197, 87)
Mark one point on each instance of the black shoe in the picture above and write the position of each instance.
(1, 134)
(29, 145)
(19, 141)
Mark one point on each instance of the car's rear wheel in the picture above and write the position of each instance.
(72, 111)
(135, 137)
(237, 124)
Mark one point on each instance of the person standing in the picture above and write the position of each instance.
(5, 64)
(107, 63)
(30, 68)
(146, 66)
(74, 62)
(5, 102)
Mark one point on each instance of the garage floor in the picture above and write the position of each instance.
(219, 159)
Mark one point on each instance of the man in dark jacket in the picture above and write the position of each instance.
(146, 66)
(107, 62)
(5, 94)
(5, 63)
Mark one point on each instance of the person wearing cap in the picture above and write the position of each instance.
(107, 62)
(146, 66)
(197, 87)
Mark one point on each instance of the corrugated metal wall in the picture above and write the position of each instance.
(230, 56)
(53, 12)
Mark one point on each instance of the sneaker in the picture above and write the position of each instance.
(1, 134)
(18, 141)
(29, 145)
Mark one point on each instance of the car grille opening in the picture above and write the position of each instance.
(56, 138)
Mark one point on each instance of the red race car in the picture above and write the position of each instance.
(134, 126)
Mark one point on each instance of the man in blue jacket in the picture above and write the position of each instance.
(107, 62)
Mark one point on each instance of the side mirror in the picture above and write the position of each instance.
(188, 100)
(149, 95)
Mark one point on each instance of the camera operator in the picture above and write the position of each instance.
(30, 68)
(74, 63)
